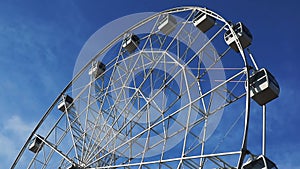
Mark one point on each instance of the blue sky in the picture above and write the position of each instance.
(40, 41)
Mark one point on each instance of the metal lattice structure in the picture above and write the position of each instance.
(170, 92)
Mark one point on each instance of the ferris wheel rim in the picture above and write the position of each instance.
(118, 38)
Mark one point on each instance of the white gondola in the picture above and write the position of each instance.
(263, 87)
(74, 167)
(97, 69)
(261, 162)
(65, 103)
(203, 21)
(131, 42)
(36, 144)
(167, 24)
(243, 35)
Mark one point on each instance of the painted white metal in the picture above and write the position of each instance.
(264, 130)
(105, 123)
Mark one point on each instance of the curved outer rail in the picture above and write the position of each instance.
(243, 151)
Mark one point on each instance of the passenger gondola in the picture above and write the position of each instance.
(97, 69)
(65, 103)
(167, 24)
(36, 144)
(243, 34)
(262, 162)
(203, 21)
(131, 42)
(263, 87)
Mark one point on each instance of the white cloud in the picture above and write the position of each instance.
(289, 159)
(17, 127)
(13, 135)
(33, 51)
(8, 148)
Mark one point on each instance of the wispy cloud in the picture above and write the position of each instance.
(283, 140)
(17, 127)
(13, 134)
(37, 44)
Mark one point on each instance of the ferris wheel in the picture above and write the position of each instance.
(172, 91)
